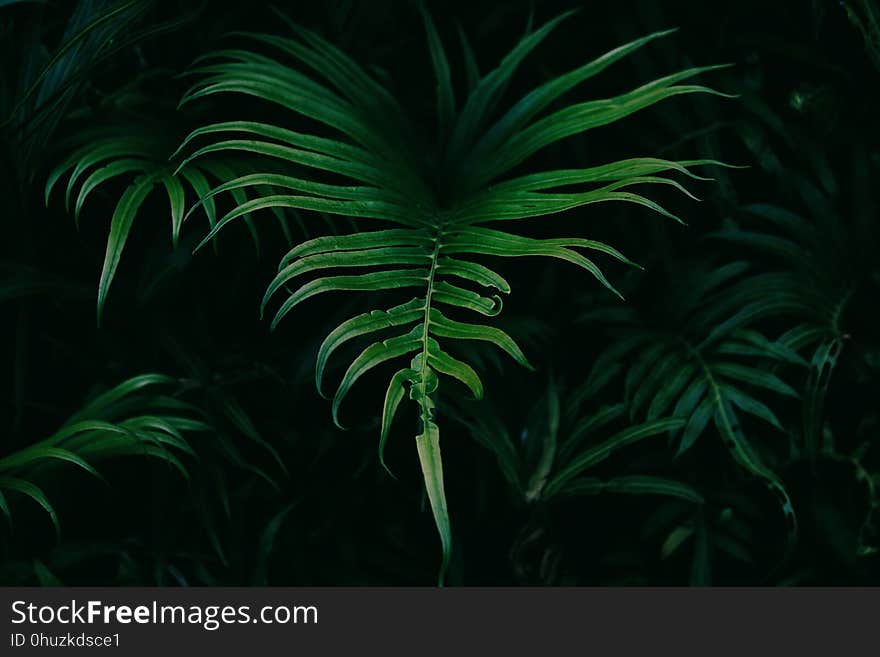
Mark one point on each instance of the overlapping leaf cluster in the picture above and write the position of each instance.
(138, 417)
(438, 207)
(703, 364)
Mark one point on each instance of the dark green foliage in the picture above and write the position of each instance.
(422, 161)
(131, 419)
(439, 203)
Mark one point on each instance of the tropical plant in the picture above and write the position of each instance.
(35, 104)
(138, 149)
(137, 417)
(704, 362)
(745, 357)
(558, 447)
(439, 195)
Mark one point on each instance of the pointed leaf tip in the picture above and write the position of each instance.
(428, 444)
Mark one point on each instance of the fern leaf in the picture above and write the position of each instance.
(428, 209)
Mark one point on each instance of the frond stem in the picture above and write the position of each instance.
(423, 368)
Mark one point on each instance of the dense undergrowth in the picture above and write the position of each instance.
(678, 391)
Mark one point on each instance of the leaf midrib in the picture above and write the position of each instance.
(426, 324)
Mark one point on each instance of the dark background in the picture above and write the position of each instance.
(335, 517)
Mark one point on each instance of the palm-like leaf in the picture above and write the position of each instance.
(705, 365)
(95, 32)
(138, 417)
(437, 209)
(138, 154)
(812, 278)
(559, 452)
(818, 251)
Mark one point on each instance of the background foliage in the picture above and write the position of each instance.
(182, 442)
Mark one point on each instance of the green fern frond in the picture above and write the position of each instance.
(137, 417)
(706, 367)
(558, 453)
(138, 154)
(432, 205)
(94, 33)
